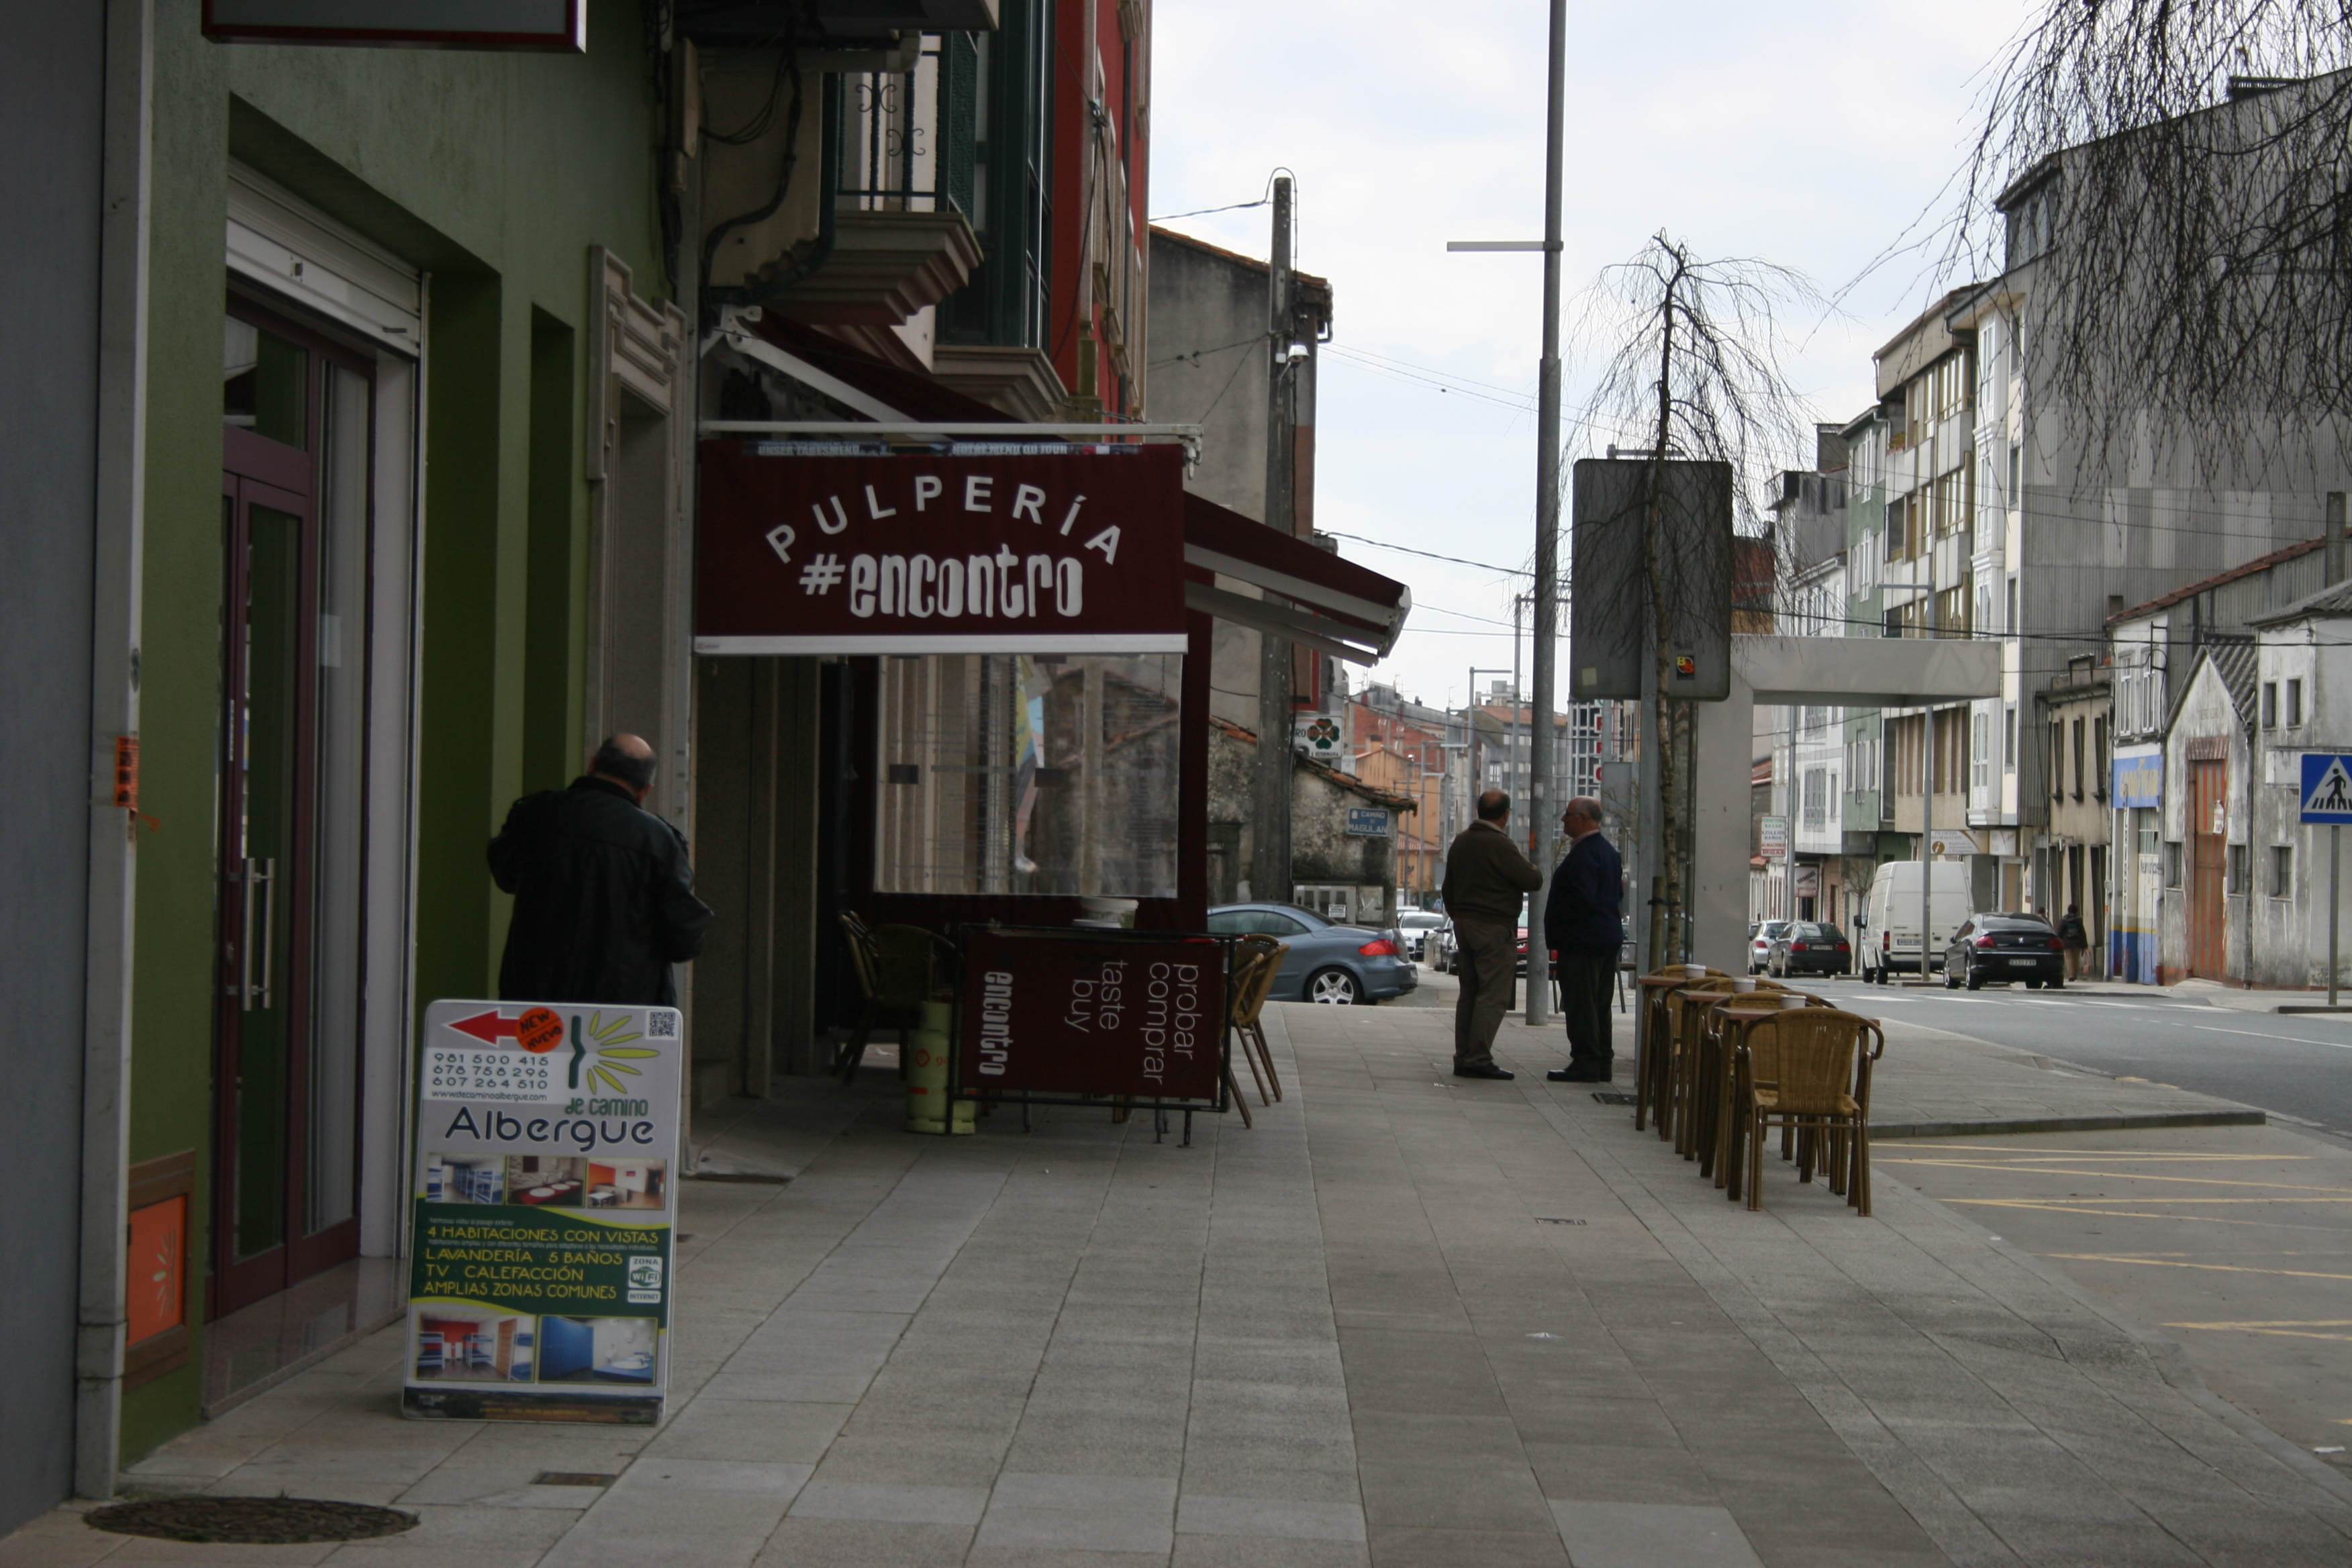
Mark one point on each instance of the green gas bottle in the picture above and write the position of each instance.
(927, 1076)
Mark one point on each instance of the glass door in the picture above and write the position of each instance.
(293, 524)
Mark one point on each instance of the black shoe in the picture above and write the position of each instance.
(1489, 1070)
(1579, 1075)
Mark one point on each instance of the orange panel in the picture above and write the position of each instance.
(158, 1272)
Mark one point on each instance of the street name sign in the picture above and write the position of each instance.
(545, 1190)
(1368, 822)
(2328, 787)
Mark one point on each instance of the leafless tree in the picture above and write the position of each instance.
(2169, 182)
(1692, 374)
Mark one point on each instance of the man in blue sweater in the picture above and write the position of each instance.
(1584, 928)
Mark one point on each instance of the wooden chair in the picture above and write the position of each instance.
(899, 969)
(1257, 960)
(1653, 1052)
(1800, 1070)
(1685, 1013)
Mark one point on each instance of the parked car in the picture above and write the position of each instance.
(1415, 925)
(1809, 947)
(1759, 942)
(1441, 947)
(1889, 930)
(1327, 962)
(1994, 949)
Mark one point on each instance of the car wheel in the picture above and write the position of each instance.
(2057, 983)
(1951, 977)
(1975, 982)
(2033, 985)
(1335, 986)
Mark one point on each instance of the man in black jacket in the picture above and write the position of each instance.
(1584, 928)
(604, 894)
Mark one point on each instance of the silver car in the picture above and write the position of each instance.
(1327, 961)
(1414, 926)
(1761, 938)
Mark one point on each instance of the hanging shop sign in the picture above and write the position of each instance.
(1079, 550)
(545, 1198)
(557, 24)
(2138, 776)
(1048, 1012)
(1772, 838)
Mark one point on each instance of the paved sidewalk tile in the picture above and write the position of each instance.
(1408, 1320)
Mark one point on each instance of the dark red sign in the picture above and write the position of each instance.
(1047, 1013)
(1023, 553)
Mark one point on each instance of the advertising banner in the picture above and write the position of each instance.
(1026, 552)
(545, 1199)
(1045, 1012)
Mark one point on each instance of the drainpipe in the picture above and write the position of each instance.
(123, 234)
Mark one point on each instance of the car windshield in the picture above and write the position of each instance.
(2010, 922)
(1416, 921)
(1828, 933)
(1771, 929)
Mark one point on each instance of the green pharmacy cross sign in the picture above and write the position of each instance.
(545, 1194)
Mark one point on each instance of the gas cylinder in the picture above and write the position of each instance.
(926, 1075)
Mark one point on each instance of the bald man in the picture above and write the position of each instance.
(603, 893)
(1486, 879)
(1584, 927)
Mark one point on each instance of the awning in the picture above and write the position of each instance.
(1346, 610)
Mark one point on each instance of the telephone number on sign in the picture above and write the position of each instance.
(484, 1072)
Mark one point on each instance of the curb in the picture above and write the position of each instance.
(2069, 1124)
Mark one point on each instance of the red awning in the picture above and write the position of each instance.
(1346, 610)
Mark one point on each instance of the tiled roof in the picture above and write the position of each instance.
(2178, 596)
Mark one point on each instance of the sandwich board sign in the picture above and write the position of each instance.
(545, 1198)
(2328, 787)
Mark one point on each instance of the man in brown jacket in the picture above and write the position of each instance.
(1486, 879)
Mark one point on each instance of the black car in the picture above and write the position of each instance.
(1809, 947)
(1994, 949)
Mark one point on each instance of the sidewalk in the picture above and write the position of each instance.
(1408, 1320)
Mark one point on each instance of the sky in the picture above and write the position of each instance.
(1810, 136)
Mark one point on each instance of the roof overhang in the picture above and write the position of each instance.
(1347, 611)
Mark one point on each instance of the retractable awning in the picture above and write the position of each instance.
(1346, 610)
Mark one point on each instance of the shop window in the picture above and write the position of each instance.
(2282, 870)
(265, 383)
(1026, 773)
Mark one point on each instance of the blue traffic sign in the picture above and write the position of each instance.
(2328, 787)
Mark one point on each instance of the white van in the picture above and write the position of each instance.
(1886, 938)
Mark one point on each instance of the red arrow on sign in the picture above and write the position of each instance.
(488, 1027)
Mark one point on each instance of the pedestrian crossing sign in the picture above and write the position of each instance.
(2328, 787)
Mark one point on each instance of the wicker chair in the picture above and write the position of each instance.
(1257, 960)
(1651, 1081)
(1801, 1070)
(899, 969)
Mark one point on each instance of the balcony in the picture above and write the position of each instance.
(884, 266)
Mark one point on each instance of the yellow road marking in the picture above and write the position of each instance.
(2093, 1153)
(2113, 1175)
(2219, 1267)
(2284, 1330)
(2063, 1206)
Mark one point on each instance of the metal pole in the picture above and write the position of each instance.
(1926, 829)
(2335, 870)
(1270, 869)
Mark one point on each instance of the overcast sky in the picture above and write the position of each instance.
(1804, 134)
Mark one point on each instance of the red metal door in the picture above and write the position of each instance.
(2209, 794)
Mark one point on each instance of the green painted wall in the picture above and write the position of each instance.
(496, 173)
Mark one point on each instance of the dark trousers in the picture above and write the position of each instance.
(1486, 961)
(1586, 981)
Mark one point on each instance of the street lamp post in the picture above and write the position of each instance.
(1547, 594)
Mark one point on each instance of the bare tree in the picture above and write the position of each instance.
(1693, 373)
(2170, 181)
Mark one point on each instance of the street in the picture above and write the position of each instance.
(2294, 1067)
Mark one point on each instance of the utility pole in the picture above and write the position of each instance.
(1270, 858)
(1540, 811)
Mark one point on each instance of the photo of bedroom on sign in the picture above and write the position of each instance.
(467, 1345)
(466, 1179)
(549, 1180)
(598, 1350)
(628, 1185)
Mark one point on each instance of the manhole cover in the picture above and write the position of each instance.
(1607, 1097)
(257, 1521)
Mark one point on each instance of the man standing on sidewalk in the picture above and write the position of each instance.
(2071, 933)
(604, 894)
(1486, 879)
(1584, 928)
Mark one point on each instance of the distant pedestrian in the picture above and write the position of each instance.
(2075, 939)
(1585, 929)
(603, 893)
(1485, 880)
